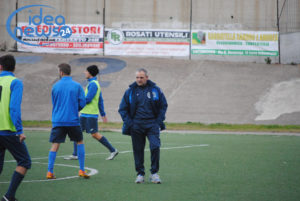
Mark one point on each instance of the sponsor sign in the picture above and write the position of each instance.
(150, 42)
(85, 39)
(234, 43)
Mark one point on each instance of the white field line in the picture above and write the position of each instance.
(200, 132)
(197, 132)
(121, 152)
(187, 146)
(91, 170)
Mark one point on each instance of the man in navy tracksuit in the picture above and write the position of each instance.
(11, 129)
(143, 108)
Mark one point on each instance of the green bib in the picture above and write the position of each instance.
(5, 123)
(92, 107)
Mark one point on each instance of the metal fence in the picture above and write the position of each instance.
(289, 16)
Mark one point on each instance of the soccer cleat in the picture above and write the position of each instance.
(4, 198)
(112, 155)
(154, 178)
(71, 157)
(139, 179)
(83, 174)
(50, 175)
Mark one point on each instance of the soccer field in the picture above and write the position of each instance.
(193, 167)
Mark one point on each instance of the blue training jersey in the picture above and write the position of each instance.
(68, 99)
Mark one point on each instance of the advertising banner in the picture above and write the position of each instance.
(242, 43)
(137, 42)
(80, 38)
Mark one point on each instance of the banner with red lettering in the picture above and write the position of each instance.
(147, 42)
(83, 39)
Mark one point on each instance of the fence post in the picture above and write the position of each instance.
(191, 19)
(104, 27)
(278, 29)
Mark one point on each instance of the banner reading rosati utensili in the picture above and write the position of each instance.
(84, 39)
(242, 43)
(150, 42)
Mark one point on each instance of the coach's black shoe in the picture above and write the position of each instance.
(4, 198)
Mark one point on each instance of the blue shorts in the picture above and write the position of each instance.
(58, 134)
(17, 149)
(89, 124)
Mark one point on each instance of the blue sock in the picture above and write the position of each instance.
(74, 149)
(14, 183)
(51, 161)
(81, 156)
(106, 143)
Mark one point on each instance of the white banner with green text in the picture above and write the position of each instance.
(234, 43)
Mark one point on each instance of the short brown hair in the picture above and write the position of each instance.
(65, 68)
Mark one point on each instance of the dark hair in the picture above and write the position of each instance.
(93, 70)
(8, 62)
(65, 68)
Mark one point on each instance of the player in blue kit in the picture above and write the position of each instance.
(67, 99)
(11, 129)
(89, 114)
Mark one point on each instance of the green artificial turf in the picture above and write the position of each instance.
(193, 168)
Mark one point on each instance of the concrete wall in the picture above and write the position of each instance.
(6, 8)
(154, 14)
(75, 12)
(290, 48)
(289, 31)
(254, 15)
(289, 16)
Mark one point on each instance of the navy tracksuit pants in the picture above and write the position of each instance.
(17, 149)
(139, 132)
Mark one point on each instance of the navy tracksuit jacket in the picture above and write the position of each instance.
(143, 111)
